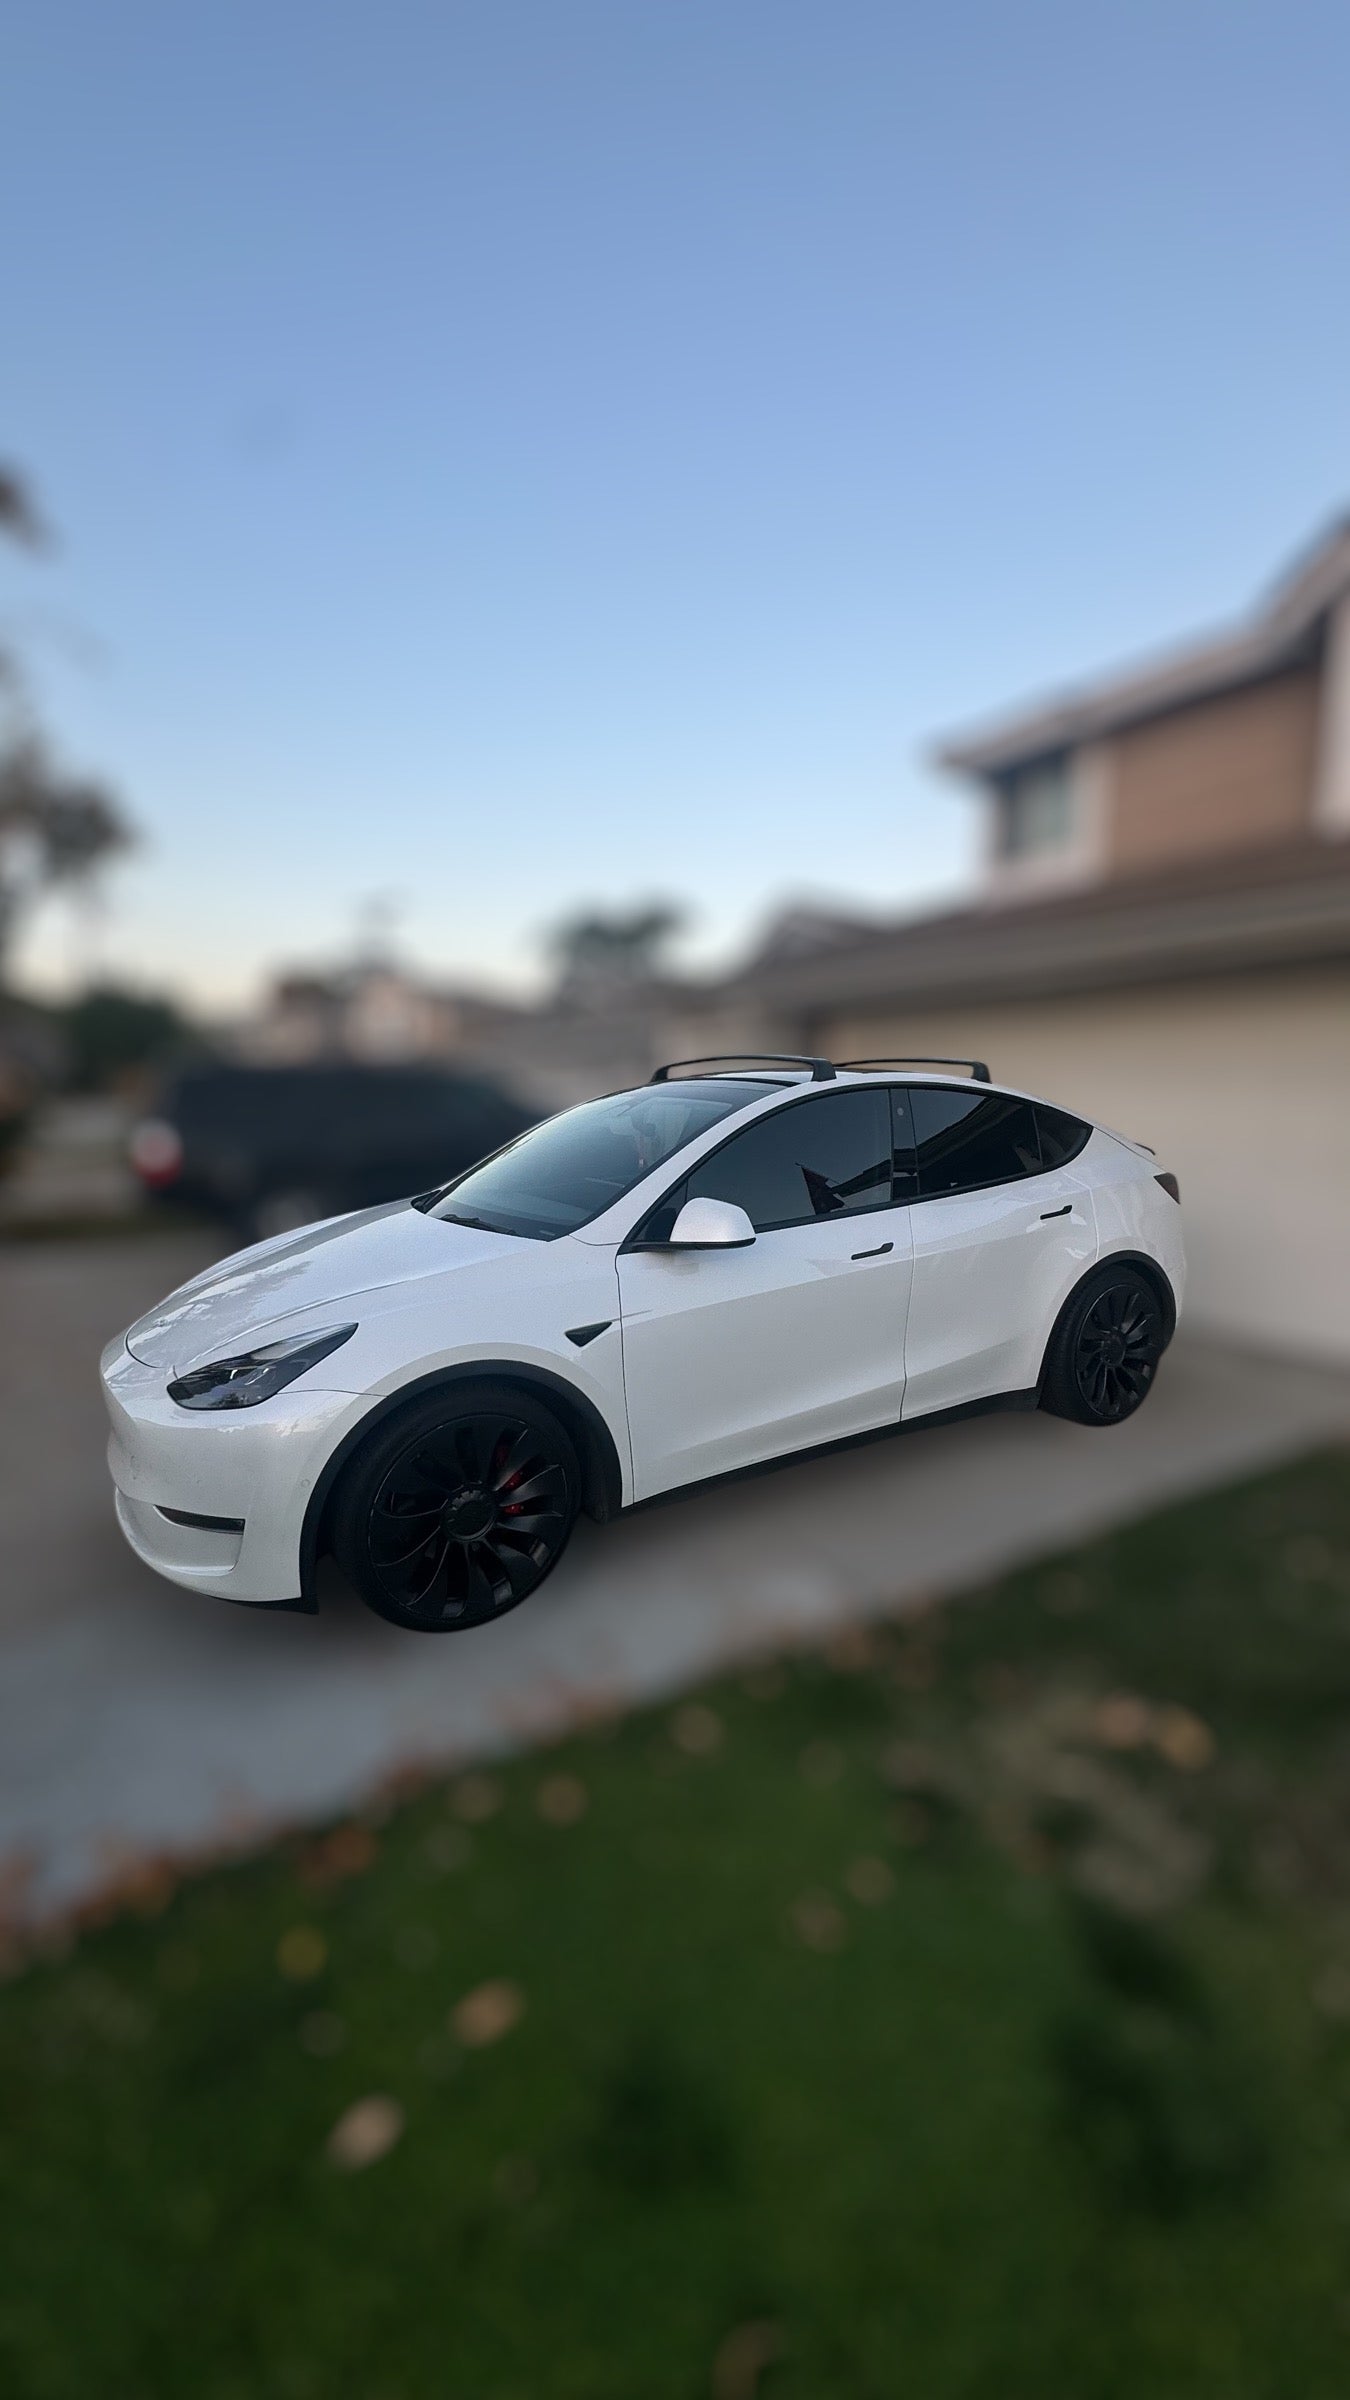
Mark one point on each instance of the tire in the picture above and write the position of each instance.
(487, 1479)
(1104, 1352)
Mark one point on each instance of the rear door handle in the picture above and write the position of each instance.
(1048, 1213)
(879, 1252)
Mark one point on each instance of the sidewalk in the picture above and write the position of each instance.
(136, 1719)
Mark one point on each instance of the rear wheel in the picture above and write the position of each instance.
(457, 1509)
(1104, 1351)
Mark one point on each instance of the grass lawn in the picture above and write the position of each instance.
(964, 2011)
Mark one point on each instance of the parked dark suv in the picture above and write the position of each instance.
(270, 1148)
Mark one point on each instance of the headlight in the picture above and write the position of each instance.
(256, 1374)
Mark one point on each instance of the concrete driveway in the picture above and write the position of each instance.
(136, 1720)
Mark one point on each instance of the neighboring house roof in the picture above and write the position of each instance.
(1285, 905)
(1284, 633)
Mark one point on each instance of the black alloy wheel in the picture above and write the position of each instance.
(1104, 1352)
(1119, 1345)
(459, 1511)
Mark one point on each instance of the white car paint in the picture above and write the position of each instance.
(735, 1356)
(709, 1360)
(992, 1270)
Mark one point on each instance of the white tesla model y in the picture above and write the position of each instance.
(718, 1269)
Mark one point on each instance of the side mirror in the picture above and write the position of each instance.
(711, 1225)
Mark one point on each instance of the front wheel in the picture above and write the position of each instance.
(456, 1510)
(1104, 1351)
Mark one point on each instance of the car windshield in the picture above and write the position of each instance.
(566, 1171)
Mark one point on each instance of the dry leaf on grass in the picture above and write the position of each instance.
(562, 1799)
(818, 1921)
(1123, 1721)
(696, 1730)
(1184, 1739)
(742, 2358)
(322, 2034)
(365, 2132)
(302, 1953)
(870, 1880)
(475, 1798)
(487, 2012)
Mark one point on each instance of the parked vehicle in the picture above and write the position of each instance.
(272, 1148)
(670, 1284)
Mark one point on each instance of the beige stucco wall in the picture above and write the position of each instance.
(1232, 772)
(1242, 1086)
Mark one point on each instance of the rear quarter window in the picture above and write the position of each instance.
(1062, 1136)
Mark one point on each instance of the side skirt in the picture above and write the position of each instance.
(997, 1404)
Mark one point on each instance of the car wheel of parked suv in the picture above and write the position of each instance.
(1104, 1352)
(457, 1508)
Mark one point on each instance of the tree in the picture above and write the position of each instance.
(620, 947)
(54, 829)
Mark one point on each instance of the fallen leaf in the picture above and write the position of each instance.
(850, 1650)
(475, 1798)
(302, 1953)
(696, 1730)
(1183, 1738)
(447, 1847)
(818, 1921)
(486, 2013)
(742, 2358)
(1123, 1722)
(870, 1880)
(910, 1823)
(365, 2132)
(915, 1670)
(348, 1850)
(322, 2034)
(765, 1683)
(562, 1799)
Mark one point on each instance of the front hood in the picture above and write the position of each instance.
(257, 1292)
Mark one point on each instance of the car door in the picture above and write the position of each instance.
(1000, 1236)
(731, 1356)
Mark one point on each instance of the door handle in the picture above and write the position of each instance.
(1048, 1213)
(879, 1252)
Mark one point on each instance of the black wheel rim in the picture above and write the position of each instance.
(467, 1520)
(1119, 1344)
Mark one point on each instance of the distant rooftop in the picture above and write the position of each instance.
(1284, 632)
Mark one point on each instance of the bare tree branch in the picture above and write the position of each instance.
(20, 516)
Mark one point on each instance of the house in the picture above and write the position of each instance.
(1160, 937)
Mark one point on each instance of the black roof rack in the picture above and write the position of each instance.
(978, 1070)
(821, 1069)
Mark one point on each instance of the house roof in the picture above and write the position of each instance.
(1284, 905)
(1284, 632)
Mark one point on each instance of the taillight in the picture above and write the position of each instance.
(156, 1152)
(1170, 1186)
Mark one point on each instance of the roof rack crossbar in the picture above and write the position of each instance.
(821, 1069)
(979, 1072)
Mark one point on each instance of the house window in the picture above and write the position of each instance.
(1034, 813)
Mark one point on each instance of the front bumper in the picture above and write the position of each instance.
(257, 1465)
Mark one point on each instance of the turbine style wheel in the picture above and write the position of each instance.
(457, 1511)
(1104, 1351)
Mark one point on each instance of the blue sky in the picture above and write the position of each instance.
(549, 452)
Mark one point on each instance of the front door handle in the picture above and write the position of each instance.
(879, 1252)
(1048, 1213)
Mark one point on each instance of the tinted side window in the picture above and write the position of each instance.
(1062, 1136)
(965, 1139)
(818, 1158)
